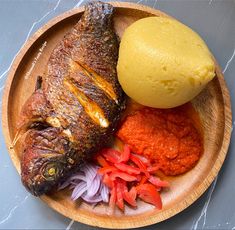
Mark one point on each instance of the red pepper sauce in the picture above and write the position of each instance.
(169, 137)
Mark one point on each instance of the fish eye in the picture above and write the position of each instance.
(50, 171)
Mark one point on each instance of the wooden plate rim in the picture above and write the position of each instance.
(126, 221)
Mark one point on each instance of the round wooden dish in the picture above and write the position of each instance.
(213, 106)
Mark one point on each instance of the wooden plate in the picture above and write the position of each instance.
(213, 106)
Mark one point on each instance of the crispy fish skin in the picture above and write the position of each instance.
(78, 106)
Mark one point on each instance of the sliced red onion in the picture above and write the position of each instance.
(78, 176)
(75, 182)
(105, 193)
(72, 186)
(93, 199)
(90, 173)
(88, 185)
(79, 190)
(94, 186)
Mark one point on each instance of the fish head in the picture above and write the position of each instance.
(39, 173)
(43, 164)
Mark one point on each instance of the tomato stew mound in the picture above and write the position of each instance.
(168, 137)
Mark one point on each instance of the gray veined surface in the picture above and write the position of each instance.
(229, 61)
(70, 225)
(213, 19)
(28, 35)
(203, 214)
(202, 218)
(5, 72)
(11, 212)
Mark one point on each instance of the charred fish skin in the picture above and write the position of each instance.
(80, 102)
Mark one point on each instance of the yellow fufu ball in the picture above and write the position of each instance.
(163, 63)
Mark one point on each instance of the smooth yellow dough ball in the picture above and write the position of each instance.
(163, 63)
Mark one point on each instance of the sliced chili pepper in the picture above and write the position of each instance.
(145, 160)
(127, 168)
(139, 177)
(143, 180)
(158, 188)
(127, 196)
(113, 197)
(152, 169)
(157, 182)
(130, 197)
(111, 155)
(107, 181)
(120, 202)
(125, 154)
(102, 162)
(140, 164)
(149, 194)
(107, 169)
(133, 192)
(122, 175)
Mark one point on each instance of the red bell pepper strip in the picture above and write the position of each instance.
(113, 197)
(140, 164)
(130, 197)
(143, 180)
(122, 175)
(157, 182)
(119, 201)
(102, 162)
(111, 155)
(125, 154)
(152, 169)
(107, 169)
(145, 160)
(107, 181)
(139, 177)
(133, 192)
(149, 194)
(127, 168)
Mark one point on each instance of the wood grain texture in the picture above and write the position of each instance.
(213, 106)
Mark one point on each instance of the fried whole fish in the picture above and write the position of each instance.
(76, 105)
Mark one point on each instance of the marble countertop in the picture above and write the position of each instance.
(213, 20)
